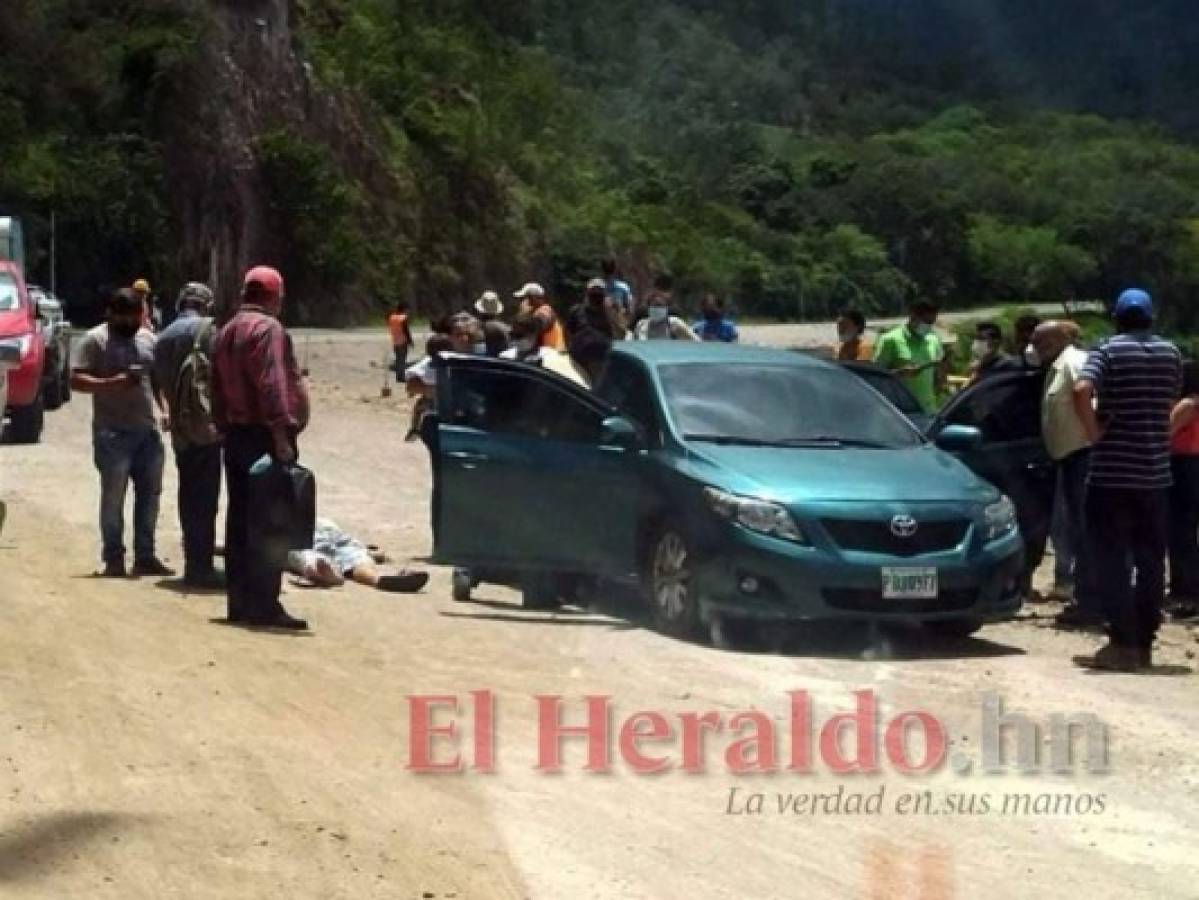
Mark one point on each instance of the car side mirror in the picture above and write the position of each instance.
(618, 431)
(959, 438)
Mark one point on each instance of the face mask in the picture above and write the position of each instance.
(658, 313)
(979, 349)
(526, 345)
(845, 335)
(479, 349)
(921, 329)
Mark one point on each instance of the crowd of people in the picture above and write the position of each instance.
(230, 396)
(1120, 422)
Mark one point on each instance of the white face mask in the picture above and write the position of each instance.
(979, 349)
(921, 329)
(1032, 357)
(658, 313)
(479, 349)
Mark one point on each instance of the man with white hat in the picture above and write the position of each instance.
(533, 301)
(489, 306)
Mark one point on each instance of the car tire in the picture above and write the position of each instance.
(954, 629)
(52, 393)
(539, 591)
(65, 390)
(669, 586)
(26, 424)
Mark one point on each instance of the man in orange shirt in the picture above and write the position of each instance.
(534, 302)
(851, 343)
(401, 338)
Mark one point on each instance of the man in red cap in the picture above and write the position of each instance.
(260, 403)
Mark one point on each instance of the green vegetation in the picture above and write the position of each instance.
(796, 157)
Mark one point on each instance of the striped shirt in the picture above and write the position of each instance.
(1137, 379)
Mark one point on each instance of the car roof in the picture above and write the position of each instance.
(659, 353)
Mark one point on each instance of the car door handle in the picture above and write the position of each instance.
(464, 456)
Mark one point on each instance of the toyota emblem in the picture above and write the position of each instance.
(904, 526)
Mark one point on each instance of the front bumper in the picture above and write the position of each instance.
(759, 577)
(25, 381)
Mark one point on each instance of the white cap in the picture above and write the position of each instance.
(489, 304)
(532, 289)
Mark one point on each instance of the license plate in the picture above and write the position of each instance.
(909, 584)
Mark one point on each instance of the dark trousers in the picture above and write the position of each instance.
(1184, 528)
(254, 581)
(199, 495)
(401, 362)
(1127, 531)
(1073, 483)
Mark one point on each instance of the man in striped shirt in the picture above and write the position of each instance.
(1124, 398)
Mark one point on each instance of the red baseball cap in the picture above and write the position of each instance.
(266, 278)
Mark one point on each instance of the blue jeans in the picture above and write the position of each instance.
(121, 456)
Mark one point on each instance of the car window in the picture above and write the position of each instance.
(1003, 409)
(9, 298)
(780, 405)
(627, 387)
(515, 403)
(891, 388)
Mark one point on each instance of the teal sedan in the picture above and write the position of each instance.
(728, 481)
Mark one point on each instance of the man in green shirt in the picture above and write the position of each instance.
(914, 353)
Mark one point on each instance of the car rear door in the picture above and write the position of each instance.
(524, 479)
(1006, 408)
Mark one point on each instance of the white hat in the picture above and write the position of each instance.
(532, 289)
(489, 304)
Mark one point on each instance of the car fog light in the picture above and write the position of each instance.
(749, 585)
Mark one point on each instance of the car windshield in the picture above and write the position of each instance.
(8, 293)
(781, 405)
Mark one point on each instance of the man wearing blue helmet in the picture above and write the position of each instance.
(1123, 399)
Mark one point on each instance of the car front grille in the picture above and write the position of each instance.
(870, 601)
(873, 536)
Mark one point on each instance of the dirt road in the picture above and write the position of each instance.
(148, 751)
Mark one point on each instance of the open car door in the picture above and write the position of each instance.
(529, 474)
(1006, 408)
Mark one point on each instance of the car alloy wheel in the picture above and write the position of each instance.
(671, 584)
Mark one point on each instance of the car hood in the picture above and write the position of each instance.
(848, 474)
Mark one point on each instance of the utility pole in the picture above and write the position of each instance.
(53, 253)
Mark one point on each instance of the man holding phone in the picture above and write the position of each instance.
(115, 365)
(914, 353)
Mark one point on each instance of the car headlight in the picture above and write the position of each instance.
(761, 516)
(999, 519)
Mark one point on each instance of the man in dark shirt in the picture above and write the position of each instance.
(596, 313)
(194, 437)
(1136, 377)
(261, 405)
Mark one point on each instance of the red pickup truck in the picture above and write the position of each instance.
(19, 325)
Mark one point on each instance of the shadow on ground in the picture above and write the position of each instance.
(31, 850)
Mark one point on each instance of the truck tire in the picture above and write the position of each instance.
(27, 422)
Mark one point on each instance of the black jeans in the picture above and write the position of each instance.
(401, 362)
(1074, 469)
(1127, 530)
(199, 495)
(1184, 528)
(254, 580)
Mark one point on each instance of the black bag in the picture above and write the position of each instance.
(283, 509)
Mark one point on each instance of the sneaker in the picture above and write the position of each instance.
(114, 569)
(152, 566)
(404, 583)
(1115, 658)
